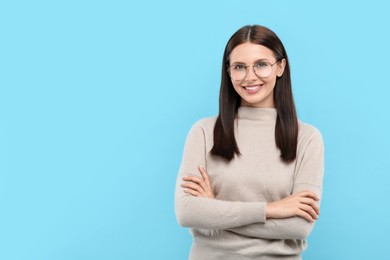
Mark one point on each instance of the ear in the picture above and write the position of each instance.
(280, 67)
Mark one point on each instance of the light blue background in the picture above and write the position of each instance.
(97, 97)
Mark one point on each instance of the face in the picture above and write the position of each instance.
(253, 90)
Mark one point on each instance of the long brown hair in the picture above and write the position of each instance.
(286, 128)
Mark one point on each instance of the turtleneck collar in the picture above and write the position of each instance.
(256, 113)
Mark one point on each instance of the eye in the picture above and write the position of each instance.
(238, 67)
(261, 64)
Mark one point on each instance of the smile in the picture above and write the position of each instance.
(252, 89)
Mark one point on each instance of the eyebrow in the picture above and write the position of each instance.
(256, 61)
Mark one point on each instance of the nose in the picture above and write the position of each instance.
(250, 74)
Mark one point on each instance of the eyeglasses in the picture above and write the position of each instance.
(262, 69)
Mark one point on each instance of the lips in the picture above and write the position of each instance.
(252, 89)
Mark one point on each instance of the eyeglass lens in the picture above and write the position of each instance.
(240, 71)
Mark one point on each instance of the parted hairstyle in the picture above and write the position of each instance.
(286, 128)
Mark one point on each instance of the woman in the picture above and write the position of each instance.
(250, 180)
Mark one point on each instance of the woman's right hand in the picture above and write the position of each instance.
(302, 204)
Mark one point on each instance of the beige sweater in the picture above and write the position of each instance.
(234, 226)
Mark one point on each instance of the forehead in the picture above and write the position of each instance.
(250, 52)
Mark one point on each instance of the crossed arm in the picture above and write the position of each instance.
(302, 204)
(298, 212)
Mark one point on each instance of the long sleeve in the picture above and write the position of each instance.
(308, 176)
(287, 228)
(205, 213)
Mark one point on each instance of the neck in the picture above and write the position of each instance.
(268, 103)
(257, 113)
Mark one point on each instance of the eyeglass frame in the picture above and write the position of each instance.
(253, 68)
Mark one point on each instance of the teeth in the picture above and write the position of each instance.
(251, 88)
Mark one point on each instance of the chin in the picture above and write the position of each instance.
(263, 102)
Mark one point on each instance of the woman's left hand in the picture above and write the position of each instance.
(198, 186)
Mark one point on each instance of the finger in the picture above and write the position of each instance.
(196, 192)
(312, 195)
(197, 180)
(210, 194)
(191, 192)
(307, 194)
(305, 215)
(204, 175)
(192, 186)
(312, 203)
(309, 210)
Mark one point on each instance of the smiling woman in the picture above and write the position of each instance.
(250, 180)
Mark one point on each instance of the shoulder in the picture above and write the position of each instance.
(201, 132)
(308, 133)
(202, 128)
(206, 123)
(306, 129)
